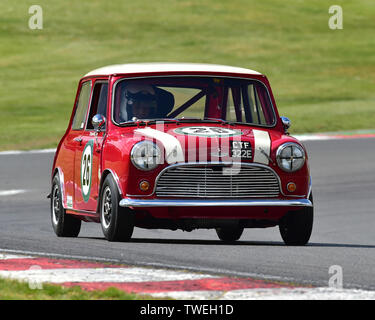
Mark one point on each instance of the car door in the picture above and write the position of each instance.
(88, 154)
(72, 141)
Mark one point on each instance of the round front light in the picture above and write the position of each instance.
(290, 157)
(145, 155)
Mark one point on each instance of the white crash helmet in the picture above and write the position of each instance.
(136, 92)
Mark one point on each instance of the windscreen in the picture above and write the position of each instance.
(192, 98)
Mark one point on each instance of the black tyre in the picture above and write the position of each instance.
(63, 224)
(296, 227)
(229, 234)
(117, 222)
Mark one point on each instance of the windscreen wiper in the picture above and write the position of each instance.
(136, 122)
(222, 121)
(243, 123)
(151, 121)
(210, 120)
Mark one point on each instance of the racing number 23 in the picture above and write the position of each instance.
(86, 169)
(86, 164)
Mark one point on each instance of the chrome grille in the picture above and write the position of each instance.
(218, 181)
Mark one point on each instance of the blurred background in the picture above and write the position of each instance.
(322, 79)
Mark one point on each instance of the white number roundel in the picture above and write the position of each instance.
(86, 170)
(208, 131)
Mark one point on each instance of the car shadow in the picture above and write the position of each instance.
(205, 242)
(237, 243)
(193, 241)
(342, 245)
(246, 243)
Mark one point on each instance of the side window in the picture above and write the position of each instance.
(98, 102)
(82, 104)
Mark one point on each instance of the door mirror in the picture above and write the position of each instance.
(286, 123)
(98, 122)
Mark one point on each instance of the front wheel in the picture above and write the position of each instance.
(296, 226)
(63, 224)
(117, 222)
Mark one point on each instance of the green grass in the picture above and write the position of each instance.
(322, 79)
(16, 290)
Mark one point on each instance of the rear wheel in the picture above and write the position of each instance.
(117, 222)
(229, 234)
(63, 224)
(296, 227)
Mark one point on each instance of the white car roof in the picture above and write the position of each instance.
(167, 67)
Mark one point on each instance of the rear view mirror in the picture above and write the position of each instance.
(98, 122)
(286, 123)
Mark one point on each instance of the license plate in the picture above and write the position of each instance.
(241, 150)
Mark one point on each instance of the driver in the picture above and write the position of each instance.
(139, 102)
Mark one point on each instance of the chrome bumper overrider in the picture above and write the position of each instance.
(144, 203)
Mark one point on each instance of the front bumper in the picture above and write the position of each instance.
(149, 203)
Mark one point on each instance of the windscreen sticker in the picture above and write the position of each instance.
(86, 170)
(69, 202)
(208, 131)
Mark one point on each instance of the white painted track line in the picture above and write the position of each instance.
(12, 256)
(15, 152)
(5, 193)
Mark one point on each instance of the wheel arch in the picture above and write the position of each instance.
(104, 175)
(60, 174)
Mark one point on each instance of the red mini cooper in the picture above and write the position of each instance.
(179, 146)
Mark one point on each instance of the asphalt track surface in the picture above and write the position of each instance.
(343, 175)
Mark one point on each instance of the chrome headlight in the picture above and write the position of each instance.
(290, 157)
(145, 155)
